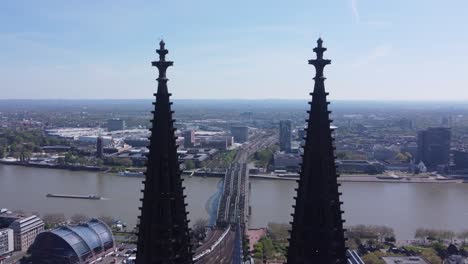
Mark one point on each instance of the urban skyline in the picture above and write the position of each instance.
(237, 45)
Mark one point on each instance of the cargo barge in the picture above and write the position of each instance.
(89, 197)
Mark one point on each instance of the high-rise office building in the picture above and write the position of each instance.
(115, 124)
(189, 138)
(460, 158)
(301, 133)
(317, 234)
(163, 233)
(285, 135)
(99, 147)
(240, 133)
(434, 146)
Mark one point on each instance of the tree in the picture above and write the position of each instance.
(107, 220)
(420, 233)
(448, 234)
(99, 162)
(278, 232)
(125, 162)
(258, 250)
(431, 256)
(70, 158)
(61, 161)
(372, 258)
(440, 249)
(189, 165)
(51, 220)
(384, 232)
(198, 229)
(79, 218)
(463, 235)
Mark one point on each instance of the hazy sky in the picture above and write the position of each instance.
(380, 49)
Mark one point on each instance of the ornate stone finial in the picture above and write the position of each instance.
(162, 64)
(319, 62)
(162, 51)
(319, 42)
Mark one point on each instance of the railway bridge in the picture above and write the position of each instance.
(224, 242)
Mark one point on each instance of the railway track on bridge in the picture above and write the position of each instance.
(233, 209)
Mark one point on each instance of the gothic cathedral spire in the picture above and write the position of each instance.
(317, 235)
(163, 235)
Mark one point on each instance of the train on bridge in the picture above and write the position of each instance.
(213, 246)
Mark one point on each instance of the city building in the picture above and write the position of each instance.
(286, 161)
(404, 260)
(115, 124)
(220, 144)
(56, 149)
(301, 133)
(189, 138)
(460, 159)
(99, 148)
(82, 243)
(25, 229)
(240, 133)
(6, 241)
(317, 234)
(285, 135)
(361, 166)
(137, 142)
(434, 146)
(92, 140)
(163, 233)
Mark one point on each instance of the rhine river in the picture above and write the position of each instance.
(404, 207)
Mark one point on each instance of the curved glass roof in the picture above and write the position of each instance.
(85, 239)
(73, 239)
(89, 236)
(102, 230)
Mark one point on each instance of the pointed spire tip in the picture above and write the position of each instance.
(319, 42)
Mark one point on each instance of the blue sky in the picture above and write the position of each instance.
(380, 49)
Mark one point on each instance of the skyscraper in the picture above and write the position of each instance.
(163, 235)
(434, 146)
(99, 147)
(189, 138)
(285, 135)
(115, 124)
(317, 234)
(240, 133)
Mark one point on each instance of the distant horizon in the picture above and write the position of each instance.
(239, 99)
(393, 50)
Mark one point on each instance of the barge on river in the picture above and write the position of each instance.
(89, 197)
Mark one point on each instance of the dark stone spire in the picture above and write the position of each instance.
(163, 235)
(317, 235)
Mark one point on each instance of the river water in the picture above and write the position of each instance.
(403, 206)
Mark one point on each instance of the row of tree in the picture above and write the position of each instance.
(54, 220)
(20, 143)
(439, 234)
(376, 232)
